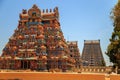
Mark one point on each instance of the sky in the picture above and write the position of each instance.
(80, 19)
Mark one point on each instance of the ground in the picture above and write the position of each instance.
(55, 76)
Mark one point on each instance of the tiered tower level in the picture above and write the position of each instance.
(37, 43)
(92, 54)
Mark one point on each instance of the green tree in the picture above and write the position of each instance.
(113, 50)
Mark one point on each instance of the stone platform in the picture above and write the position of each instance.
(54, 76)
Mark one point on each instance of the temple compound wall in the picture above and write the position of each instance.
(95, 69)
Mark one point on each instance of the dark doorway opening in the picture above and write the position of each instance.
(25, 64)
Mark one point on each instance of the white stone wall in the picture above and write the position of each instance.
(91, 69)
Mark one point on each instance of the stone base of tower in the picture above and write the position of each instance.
(16, 63)
(36, 63)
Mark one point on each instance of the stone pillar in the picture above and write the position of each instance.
(27, 64)
(23, 64)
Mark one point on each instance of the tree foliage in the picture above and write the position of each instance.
(113, 50)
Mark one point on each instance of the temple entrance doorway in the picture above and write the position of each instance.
(25, 64)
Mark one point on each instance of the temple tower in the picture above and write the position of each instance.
(38, 43)
(92, 54)
(74, 52)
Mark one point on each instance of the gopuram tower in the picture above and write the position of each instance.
(37, 43)
(92, 54)
(74, 52)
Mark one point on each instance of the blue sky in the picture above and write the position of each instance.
(80, 19)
